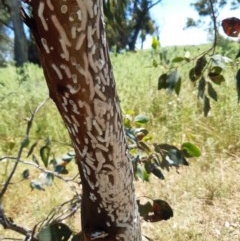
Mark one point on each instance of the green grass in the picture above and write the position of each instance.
(205, 196)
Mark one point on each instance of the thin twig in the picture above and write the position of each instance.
(25, 139)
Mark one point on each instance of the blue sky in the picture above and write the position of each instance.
(171, 17)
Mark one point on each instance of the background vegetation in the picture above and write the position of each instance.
(204, 196)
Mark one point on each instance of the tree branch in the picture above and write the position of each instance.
(25, 139)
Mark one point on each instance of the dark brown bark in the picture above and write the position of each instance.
(71, 39)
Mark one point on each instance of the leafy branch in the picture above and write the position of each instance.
(22, 146)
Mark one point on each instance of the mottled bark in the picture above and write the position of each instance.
(71, 39)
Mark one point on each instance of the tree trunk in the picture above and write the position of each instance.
(20, 40)
(74, 54)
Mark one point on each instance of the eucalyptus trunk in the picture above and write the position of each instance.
(74, 55)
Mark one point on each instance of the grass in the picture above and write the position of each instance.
(205, 196)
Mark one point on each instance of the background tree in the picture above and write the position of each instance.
(132, 21)
(204, 9)
(20, 40)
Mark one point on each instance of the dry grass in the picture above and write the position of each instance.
(204, 196)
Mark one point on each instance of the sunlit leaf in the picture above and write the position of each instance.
(55, 232)
(67, 158)
(46, 178)
(190, 150)
(142, 119)
(212, 92)
(178, 59)
(155, 43)
(142, 173)
(35, 184)
(220, 60)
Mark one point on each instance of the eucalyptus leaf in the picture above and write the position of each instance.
(45, 153)
(142, 119)
(201, 87)
(212, 92)
(200, 65)
(206, 105)
(55, 232)
(190, 150)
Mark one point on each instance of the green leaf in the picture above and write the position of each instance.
(142, 173)
(155, 63)
(206, 105)
(143, 146)
(35, 160)
(201, 87)
(31, 149)
(155, 43)
(175, 158)
(216, 69)
(190, 150)
(212, 92)
(238, 84)
(216, 78)
(141, 119)
(35, 184)
(61, 168)
(192, 75)
(55, 232)
(178, 86)
(47, 179)
(144, 209)
(153, 168)
(45, 153)
(178, 59)
(172, 79)
(162, 82)
(200, 65)
(25, 174)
